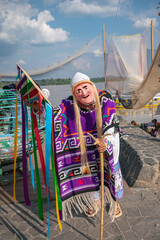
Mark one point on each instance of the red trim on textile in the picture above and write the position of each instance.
(31, 94)
(40, 103)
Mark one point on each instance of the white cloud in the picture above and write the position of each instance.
(145, 22)
(108, 8)
(4, 36)
(81, 64)
(21, 62)
(97, 52)
(91, 8)
(42, 32)
(19, 21)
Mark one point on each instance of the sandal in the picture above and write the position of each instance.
(90, 213)
(118, 211)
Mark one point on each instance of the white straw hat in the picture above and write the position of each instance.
(79, 78)
(46, 92)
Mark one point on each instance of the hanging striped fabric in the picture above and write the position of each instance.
(30, 91)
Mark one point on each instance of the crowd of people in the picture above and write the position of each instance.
(153, 127)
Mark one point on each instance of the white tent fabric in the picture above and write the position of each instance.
(150, 86)
(126, 63)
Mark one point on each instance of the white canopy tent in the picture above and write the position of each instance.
(151, 84)
(127, 74)
(126, 63)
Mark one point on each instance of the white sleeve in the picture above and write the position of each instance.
(113, 139)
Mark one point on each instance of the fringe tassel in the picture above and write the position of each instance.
(80, 203)
(108, 199)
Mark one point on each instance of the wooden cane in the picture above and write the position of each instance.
(102, 193)
(102, 182)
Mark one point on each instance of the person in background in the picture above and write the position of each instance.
(143, 126)
(158, 134)
(92, 111)
(150, 130)
(150, 127)
(135, 123)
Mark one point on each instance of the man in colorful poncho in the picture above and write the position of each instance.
(78, 163)
(78, 159)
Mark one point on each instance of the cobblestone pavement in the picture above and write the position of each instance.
(140, 165)
(140, 221)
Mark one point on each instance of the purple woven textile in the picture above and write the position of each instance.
(72, 182)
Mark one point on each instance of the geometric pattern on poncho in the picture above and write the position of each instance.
(72, 182)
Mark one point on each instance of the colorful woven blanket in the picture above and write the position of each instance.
(76, 188)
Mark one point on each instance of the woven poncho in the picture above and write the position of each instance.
(76, 188)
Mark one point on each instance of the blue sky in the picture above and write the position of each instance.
(39, 33)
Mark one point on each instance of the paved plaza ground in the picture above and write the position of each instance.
(140, 220)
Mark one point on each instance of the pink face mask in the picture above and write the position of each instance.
(84, 93)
